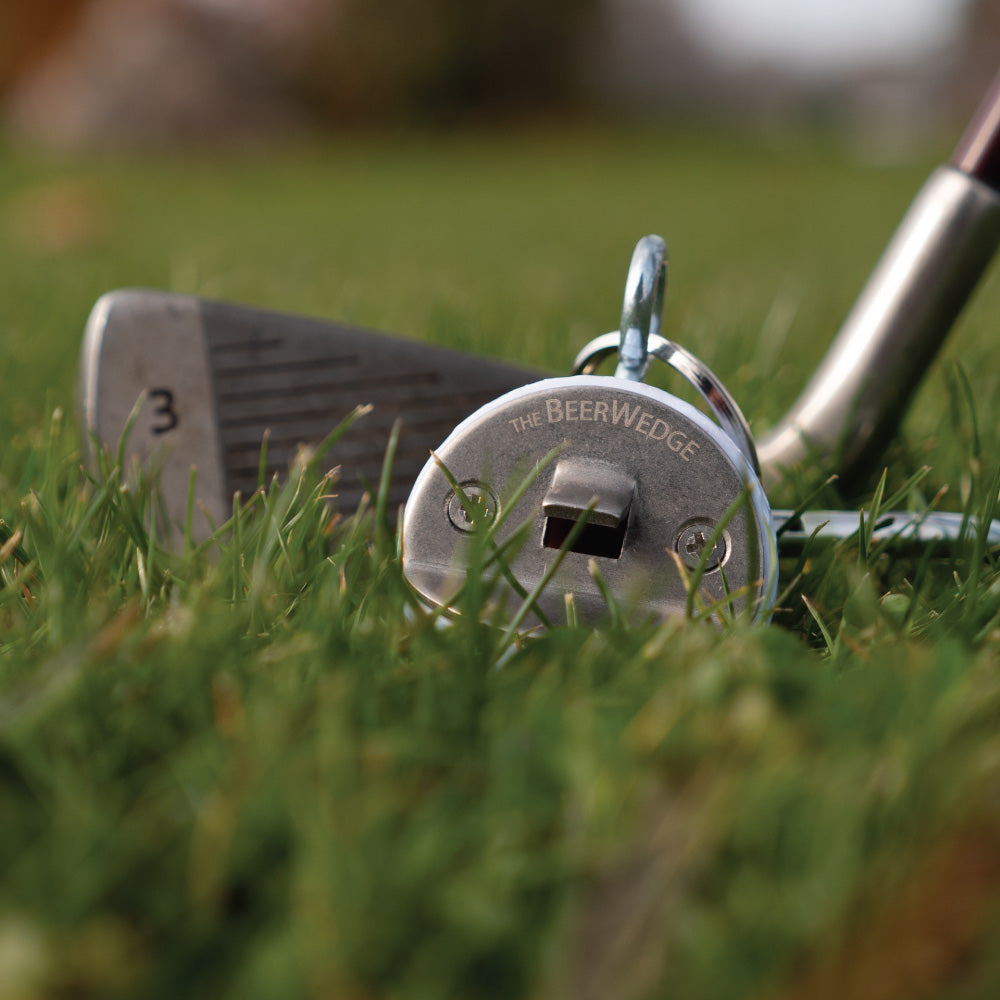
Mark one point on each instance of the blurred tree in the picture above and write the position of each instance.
(353, 59)
(163, 70)
(29, 29)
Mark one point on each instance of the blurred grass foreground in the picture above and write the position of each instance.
(260, 768)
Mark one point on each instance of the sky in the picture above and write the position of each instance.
(823, 36)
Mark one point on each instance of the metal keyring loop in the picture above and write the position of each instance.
(642, 306)
(696, 372)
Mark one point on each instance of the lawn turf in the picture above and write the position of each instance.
(265, 770)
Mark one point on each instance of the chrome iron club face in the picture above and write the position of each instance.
(217, 378)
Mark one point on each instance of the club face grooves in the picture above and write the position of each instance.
(288, 377)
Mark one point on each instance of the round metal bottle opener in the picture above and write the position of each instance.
(603, 470)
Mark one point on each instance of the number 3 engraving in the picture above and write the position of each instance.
(165, 411)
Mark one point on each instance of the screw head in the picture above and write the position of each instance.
(481, 497)
(692, 539)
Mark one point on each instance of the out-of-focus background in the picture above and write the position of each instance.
(99, 73)
(475, 174)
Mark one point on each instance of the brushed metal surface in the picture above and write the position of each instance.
(684, 467)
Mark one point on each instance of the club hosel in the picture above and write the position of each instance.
(855, 401)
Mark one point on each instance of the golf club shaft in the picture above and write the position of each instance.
(855, 401)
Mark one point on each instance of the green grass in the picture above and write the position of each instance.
(260, 768)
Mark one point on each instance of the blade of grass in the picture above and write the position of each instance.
(543, 582)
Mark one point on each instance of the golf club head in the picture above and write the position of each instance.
(215, 378)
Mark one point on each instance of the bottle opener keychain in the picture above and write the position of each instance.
(614, 485)
(650, 484)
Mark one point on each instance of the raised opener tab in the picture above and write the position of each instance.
(578, 483)
(594, 491)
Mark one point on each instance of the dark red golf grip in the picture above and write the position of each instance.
(978, 151)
